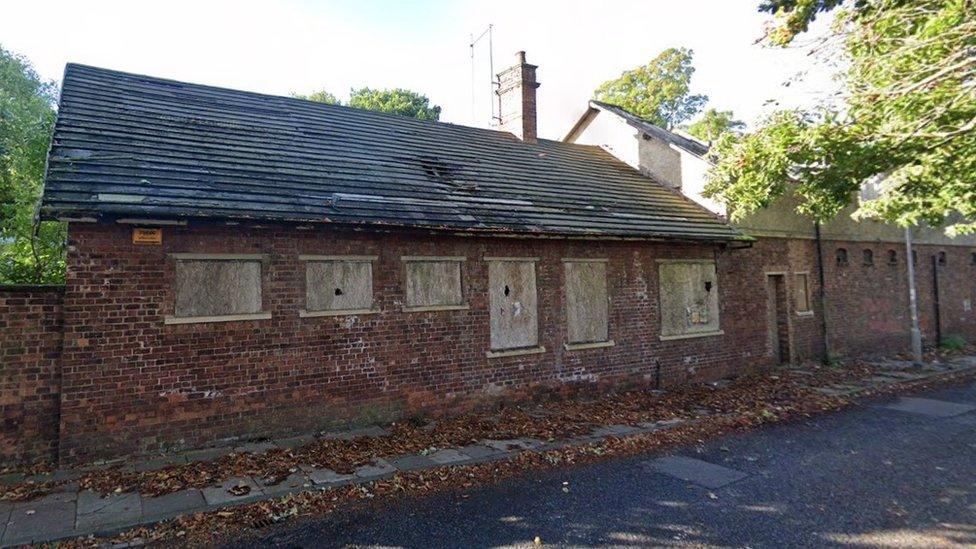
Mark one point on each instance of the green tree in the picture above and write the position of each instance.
(908, 121)
(394, 101)
(659, 91)
(320, 96)
(30, 252)
(713, 123)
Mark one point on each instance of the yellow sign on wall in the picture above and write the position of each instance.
(147, 236)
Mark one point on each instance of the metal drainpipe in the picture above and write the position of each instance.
(935, 295)
(823, 295)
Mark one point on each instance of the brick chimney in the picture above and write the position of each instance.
(516, 99)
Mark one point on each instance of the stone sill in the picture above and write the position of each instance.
(516, 352)
(691, 336)
(593, 345)
(221, 318)
(804, 313)
(348, 312)
(461, 307)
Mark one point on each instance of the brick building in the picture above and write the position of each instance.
(865, 288)
(244, 265)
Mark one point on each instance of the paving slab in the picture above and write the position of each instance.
(255, 447)
(448, 456)
(96, 511)
(292, 483)
(929, 407)
(205, 454)
(5, 508)
(614, 431)
(48, 518)
(697, 471)
(294, 442)
(513, 444)
(156, 464)
(328, 477)
(662, 424)
(172, 505)
(413, 462)
(373, 431)
(379, 469)
(219, 495)
(480, 451)
(901, 374)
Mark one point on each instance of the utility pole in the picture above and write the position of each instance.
(912, 299)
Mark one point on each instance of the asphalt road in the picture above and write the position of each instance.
(870, 476)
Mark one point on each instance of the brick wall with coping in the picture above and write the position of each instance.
(30, 349)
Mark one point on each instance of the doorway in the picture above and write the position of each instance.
(778, 320)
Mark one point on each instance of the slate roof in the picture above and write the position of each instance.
(130, 146)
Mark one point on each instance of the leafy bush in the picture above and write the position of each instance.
(953, 342)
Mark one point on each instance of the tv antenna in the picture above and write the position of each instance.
(493, 84)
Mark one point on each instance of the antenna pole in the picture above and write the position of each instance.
(471, 46)
(491, 68)
(491, 77)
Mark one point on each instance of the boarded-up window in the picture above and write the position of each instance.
(336, 284)
(587, 307)
(217, 287)
(802, 293)
(689, 298)
(433, 282)
(512, 296)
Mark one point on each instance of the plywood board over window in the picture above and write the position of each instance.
(216, 288)
(587, 303)
(514, 307)
(433, 283)
(689, 299)
(338, 285)
(802, 293)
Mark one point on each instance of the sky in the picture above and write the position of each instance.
(305, 45)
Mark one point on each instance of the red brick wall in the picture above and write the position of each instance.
(868, 304)
(132, 383)
(30, 349)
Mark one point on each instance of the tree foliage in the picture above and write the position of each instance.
(659, 91)
(794, 16)
(713, 124)
(321, 96)
(908, 122)
(30, 252)
(394, 101)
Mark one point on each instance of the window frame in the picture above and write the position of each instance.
(580, 345)
(493, 352)
(867, 257)
(842, 257)
(808, 294)
(311, 258)
(460, 260)
(688, 335)
(173, 319)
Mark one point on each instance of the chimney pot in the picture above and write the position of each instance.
(516, 99)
